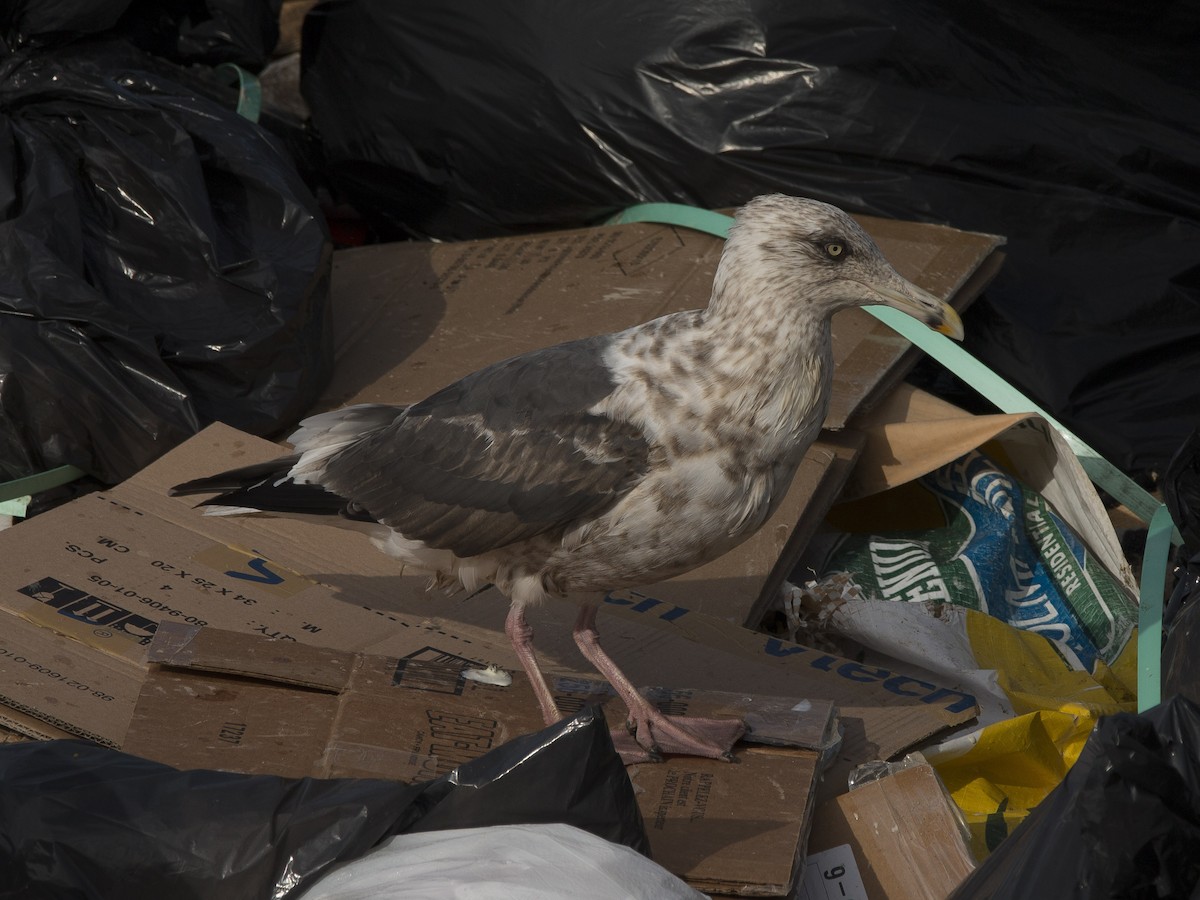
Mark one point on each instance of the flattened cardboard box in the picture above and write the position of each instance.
(237, 702)
(258, 688)
(411, 317)
(90, 581)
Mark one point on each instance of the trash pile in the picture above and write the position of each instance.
(957, 672)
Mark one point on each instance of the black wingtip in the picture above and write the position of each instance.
(267, 487)
(196, 486)
(235, 479)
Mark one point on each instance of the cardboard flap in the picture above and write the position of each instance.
(212, 650)
(411, 317)
(737, 833)
(110, 569)
(737, 827)
(912, 433)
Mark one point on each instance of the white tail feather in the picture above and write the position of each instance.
(321, 436)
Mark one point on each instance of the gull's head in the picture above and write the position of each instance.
(801, 251)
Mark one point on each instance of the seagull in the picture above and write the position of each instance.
(607, 462)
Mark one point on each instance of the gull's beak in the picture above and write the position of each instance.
(905, 296)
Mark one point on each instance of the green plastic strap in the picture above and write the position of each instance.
(675, 214)
(16, 507)
(1154, 584)
(1010, 400)
(249, 105)
(16, 494)
(1161, 533)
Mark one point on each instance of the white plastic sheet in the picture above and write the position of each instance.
(533, 862)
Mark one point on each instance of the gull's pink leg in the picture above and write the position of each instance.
(520, 632)
(655, 732)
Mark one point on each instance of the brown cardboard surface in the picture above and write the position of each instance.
(412, 317)
(104, 571)
(94, 579)
(52, 686)
(904, 832)
(237, 702)
(87, 587)
(240, 702)
(736, 833)
(8, 736)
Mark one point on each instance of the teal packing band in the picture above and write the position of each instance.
(1161, 532)
(249, 105)
(1152, 589)
(16, 494)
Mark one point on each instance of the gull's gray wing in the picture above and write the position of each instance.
(508, 452)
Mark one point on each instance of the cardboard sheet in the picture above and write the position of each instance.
(904, 833)
(96, 577)
(238, 702)
(412, 317)
(737, 834)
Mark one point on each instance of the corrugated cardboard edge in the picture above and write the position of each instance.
(304, 665)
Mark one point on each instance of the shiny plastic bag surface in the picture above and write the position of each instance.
(502, 862)
(82, 821)
(1125, 822)
(162, 266)
(1181, 615)
(195, 31)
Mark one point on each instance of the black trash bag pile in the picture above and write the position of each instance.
(162, 265)
(1181, 614)
(78, 820)
(209, 32)
(1071, 128)
(25, 20)
(1124, 823)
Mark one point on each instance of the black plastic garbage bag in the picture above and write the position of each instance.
(209, 32)
(205, 31)
(1124, 823)
(26, 19)
(1181, 490)
(1181, 614)
(81, 821)
(162, 266)
(1071, 128)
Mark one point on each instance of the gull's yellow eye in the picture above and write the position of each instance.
(835, 250)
